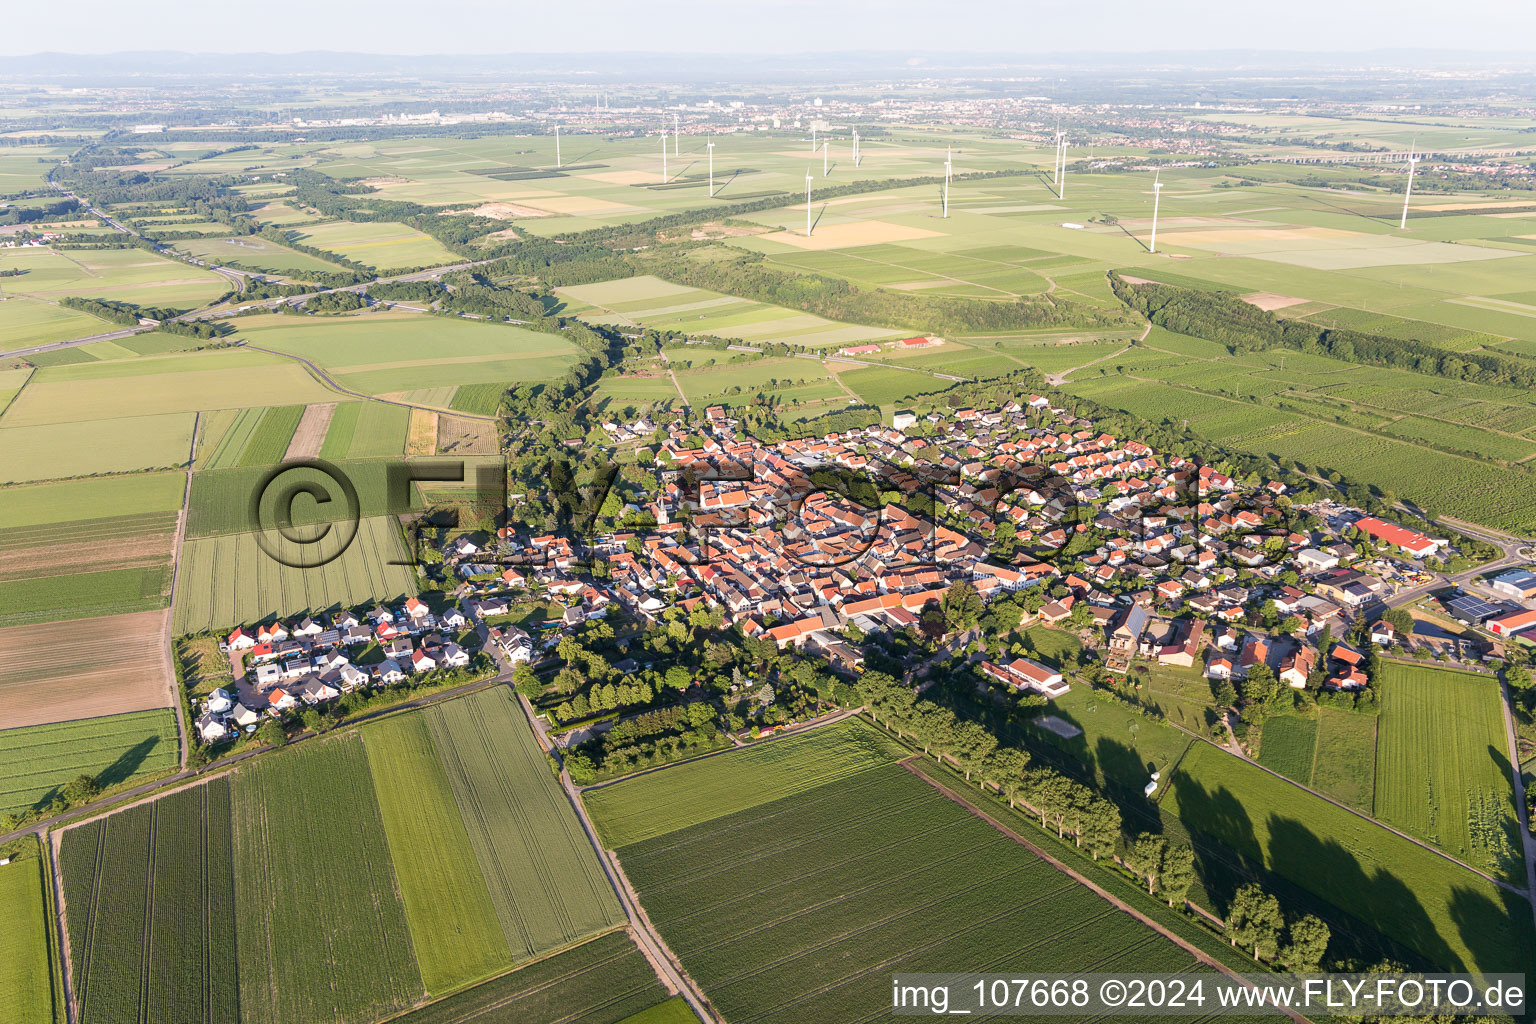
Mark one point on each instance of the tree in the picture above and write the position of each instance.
(1254, 920)
(1308, 943)
(525, 681)
(271, 733)
(1100, 828)
(962, 606)
(1177, 874)
(82, 789)
(1144, 857)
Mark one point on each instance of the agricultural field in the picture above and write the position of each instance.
(1446, 914)
(24, 323)
(545, 882)
(454, 929)
(384, 246)
(800, 908)
(698, 791)
(1443, 773)
(313, 871)
(26, 944)
(604, 981)
(229, 579)
(651, 302)
(84, 595)
(1333, 753)
(37, 761)
(92, 446)
(412, 857)
(361, 430)
(387, 353)
(1288, 746)
(68, 501)
(124, 275)
(257, 253)
(150, 906)
(220, 500)
(159, 385)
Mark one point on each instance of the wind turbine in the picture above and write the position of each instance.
(807, 202)
(825, 145)
(1056, 167)
(674, 135)
(948, 170)
(664, 175)
(1413, 163)
(813, 138)
(557, 147)
(1061, 181)
(856, 155)
(1157, 193)
(711, 148)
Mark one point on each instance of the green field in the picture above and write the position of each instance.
(150, 900)
(160, 385)
(26, 960)
(382, 245)
(416, 856)
(125, 275)
(71, 500)
(800, 908)
(1447, 915)
(454, 929)
(698, 791)
(652, 302)
(24, 323)
(361, 430)
(37, 760)
(604, 981)
(93, 446)
(313, 871)
(84, 595)
(545, 882)
(1288, 746)
(1443, 772)
(1345, 766)
(269, 440)
(385, 353)
(229, 579)
(257, 254)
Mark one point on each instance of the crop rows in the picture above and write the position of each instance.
(454, 929)
(235, 438)
(35, 761)
(270, 440)
(802, 908)
(603, 981)
(690, 793)
(232, 580)
(1448, 915)
(1443, 772)
(314, 879)
(542, 874)
(150, 902)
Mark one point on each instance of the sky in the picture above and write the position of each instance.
(767, 27)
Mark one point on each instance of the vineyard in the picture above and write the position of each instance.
(1448, 915)
(151, 911)
(800, 909)
(313, 873)
(1444, 765)
(544, 879)
(692, 793)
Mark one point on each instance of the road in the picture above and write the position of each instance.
(330, 382)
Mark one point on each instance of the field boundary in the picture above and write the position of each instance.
(326, 381)
(911, 764)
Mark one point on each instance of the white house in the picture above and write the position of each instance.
(240, 640)
(211, 729)
(454, 656)
(453, 618)
(267, 675)
(387, 671)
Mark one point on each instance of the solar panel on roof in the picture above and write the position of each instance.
(1473, 609)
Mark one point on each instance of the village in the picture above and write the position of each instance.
(1148, 558)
